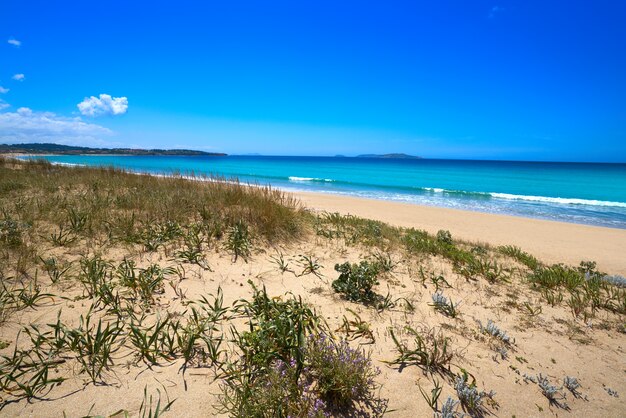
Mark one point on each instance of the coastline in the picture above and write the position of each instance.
(601, 202)
(550, 241)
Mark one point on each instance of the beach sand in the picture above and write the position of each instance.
(550, 241)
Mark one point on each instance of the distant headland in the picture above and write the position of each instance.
(74, 150)
(397, 156)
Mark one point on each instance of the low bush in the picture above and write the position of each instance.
(356, 281)
(444, 237)
(289, 364)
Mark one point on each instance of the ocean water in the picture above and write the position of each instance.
(572, 192)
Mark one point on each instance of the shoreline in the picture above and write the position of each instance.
(551, 212)
(551, 241)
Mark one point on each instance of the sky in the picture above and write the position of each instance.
(513, 80)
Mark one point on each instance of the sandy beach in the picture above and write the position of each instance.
(552, 242)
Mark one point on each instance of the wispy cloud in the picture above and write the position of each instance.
(3, 104)
(3, 90)
(26, 125)
(18, 77)
(103, 105)
(495, 10)
(14, 42)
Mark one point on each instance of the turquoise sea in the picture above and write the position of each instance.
(571, 192)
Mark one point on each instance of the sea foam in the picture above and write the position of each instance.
(294, 178)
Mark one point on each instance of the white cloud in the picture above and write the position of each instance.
(103, 105)
(26, 125)
(14, 42)
(18, 77)
(3, 90)
(3, 104)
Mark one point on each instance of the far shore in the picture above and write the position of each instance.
(551, 241)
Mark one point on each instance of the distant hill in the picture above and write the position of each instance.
(398, 156)
(68, 149)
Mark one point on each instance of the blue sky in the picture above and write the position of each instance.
(529, 80)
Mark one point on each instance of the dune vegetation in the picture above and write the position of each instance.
(135, 295)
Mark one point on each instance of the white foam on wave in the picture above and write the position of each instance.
(68, 164)
(294, 178)
(558, 200)
(530, 198)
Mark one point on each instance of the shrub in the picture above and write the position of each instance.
(356, 281)
(277, 328)
(343, 376)
(11, 232)
(280, 372)
(335, 379)
(444, 237)
(417, 241)
(276, 393)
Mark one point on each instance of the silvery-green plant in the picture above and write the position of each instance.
(504, 353)
(529, 378)
(550, 391)
(443, 305)
(449, 409)
(471, 398)
(492, 329)
(572, 384)
(616, 280)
